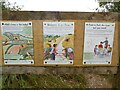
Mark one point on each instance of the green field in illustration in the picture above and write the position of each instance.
(88, 56)
(18, 45)
(63, 42)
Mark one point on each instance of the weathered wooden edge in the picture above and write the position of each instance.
(57, 70)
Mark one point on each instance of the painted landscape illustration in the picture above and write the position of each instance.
(17, 41)
(58, 43)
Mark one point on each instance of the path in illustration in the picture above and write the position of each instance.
(59, 48)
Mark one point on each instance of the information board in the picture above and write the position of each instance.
(98, 42)
(17, 42)
(58, 42)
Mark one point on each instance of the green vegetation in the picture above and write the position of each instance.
(29, 49)
(50, 80)
(43, 81)
(23, 40)
(49, 39)
(56, 39)
(110, 78)
(6, 6)
(111, 6)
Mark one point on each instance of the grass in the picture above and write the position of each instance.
(43, 81)
(109, 77)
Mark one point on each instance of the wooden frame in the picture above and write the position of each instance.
(78, 43)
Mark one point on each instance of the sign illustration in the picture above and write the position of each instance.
(58, 42)
(98, 43)
(17, 42)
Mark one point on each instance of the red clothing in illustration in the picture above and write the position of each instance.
(100, 46)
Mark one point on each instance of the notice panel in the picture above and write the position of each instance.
(17, 42)
(58, 42)
(98, 43)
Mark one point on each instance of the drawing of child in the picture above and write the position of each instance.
(100, 46)
(106, 42)
(70, 52)
(47, 51)
(53, 52)
(105, 50)
(109, 49)
(96, 50)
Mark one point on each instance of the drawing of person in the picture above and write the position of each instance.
(100, 46)
(106, 42)
(53, 52)
(109, 49)
(96, 50)
(66, 53)
(47, 51)
(70, 53)
(105, 51)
